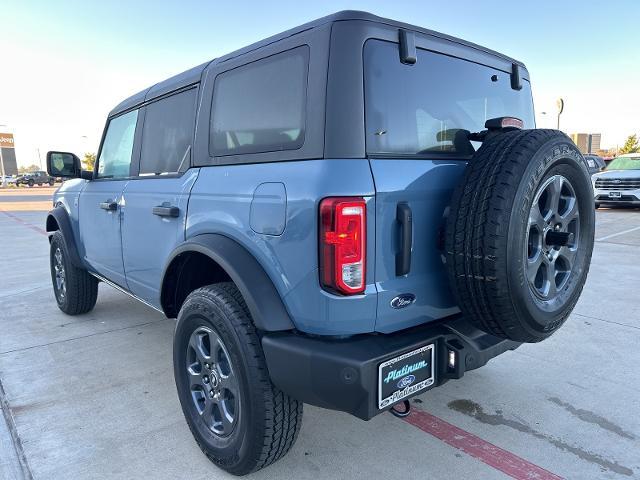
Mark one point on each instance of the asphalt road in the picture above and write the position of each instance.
(92, 397)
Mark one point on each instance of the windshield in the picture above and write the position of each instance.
(430, 107)
(624, 163)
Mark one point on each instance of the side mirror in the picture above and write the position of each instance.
(63, 164)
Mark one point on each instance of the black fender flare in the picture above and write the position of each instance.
(61, 217)
(257, 289)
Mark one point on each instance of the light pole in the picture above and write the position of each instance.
(560, 104)
(4, 178)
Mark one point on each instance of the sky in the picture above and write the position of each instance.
(66, 64)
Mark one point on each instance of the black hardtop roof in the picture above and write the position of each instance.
(194, 74)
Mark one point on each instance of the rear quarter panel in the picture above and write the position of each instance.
(221, 203)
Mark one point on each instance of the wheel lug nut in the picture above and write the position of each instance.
(207, 366)
(205, 379)
(211, 394)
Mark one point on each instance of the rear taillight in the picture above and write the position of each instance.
(343, 229)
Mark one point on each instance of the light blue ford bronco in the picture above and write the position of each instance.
(346, 214)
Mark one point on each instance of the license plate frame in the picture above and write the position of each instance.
(615, 194)
(416, 377)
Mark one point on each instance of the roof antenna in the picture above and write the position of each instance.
(407, 47)
(516, 84)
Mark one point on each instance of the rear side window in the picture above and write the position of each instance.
(117, 147)
(260, 107)
(167, 134)
(430, 107)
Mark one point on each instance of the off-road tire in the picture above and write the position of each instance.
(81, 288)
(488, 229)
(269, 420)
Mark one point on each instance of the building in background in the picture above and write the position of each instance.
(8, 154)
(587, 142)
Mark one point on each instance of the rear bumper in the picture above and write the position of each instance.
(343, 374)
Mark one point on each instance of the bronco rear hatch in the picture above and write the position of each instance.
(418, 115)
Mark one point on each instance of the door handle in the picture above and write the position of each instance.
(166, 210)
(403, 257)
(109, 205)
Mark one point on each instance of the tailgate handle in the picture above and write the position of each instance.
(403, 257)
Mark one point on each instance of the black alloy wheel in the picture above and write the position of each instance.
(553, 237)
(60, 284)
(213, 383)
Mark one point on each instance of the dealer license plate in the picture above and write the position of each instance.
(405, 375)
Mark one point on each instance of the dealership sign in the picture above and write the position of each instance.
(6, 140)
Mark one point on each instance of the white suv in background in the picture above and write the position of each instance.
(619, 183)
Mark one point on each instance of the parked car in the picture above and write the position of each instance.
(346, 214)
(595, 163)
(35, 178)
(619, 184)
(9, 179)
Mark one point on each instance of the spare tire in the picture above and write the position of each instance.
(520, 234)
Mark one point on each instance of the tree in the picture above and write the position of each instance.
(631, 145)
(29, 169)
(89, 160)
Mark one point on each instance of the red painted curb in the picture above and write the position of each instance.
(496, 457)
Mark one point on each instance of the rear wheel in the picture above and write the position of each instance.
(51, 183)
(75, 289)
(520, 234)
(240, 420)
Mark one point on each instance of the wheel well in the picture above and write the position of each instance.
(52, 224)
(187, 272)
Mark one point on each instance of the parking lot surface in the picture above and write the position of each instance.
(92, 397)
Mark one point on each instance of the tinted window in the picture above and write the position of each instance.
(432, 105)
(167, 134)
(115, 156)
(260, 107)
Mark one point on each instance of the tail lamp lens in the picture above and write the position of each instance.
(343, 244)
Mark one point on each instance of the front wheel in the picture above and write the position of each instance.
(75, 289)
(240, 420)
(31, 183)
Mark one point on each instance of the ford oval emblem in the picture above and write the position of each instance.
(406, 381)
(403, 300)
